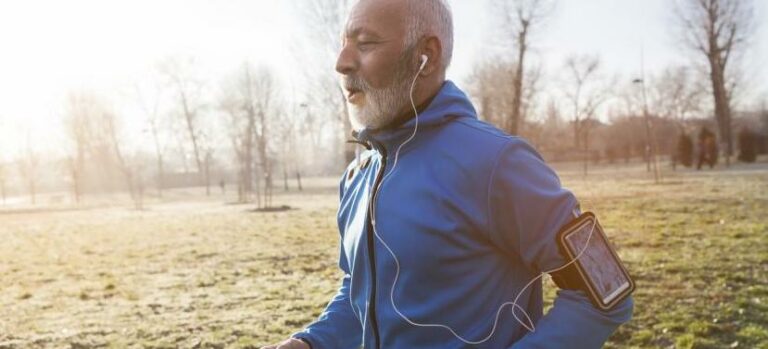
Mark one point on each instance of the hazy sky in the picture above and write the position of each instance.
(52, 47)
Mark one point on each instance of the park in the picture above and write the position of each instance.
(196, 272)
(170, 171)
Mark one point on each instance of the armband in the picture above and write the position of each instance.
(597, 269)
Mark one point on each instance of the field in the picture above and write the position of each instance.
(196, 272)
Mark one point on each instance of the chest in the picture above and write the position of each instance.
(429, 214)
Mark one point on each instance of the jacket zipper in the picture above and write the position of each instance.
(370, 236)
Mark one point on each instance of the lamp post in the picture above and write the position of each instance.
(649, 134)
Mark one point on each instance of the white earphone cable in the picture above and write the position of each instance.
(372, 213)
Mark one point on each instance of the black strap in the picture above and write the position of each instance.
(568, 278)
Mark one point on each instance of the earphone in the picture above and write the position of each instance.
(424, 60)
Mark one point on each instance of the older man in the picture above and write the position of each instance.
(445, 219)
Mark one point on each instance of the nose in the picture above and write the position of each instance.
(346, 63)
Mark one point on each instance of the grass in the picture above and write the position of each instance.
(192, 272)
(697, 246)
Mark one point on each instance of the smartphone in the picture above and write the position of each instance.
(606, 279)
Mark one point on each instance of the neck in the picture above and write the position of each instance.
(422, 98)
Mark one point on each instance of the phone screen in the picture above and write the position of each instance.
(598, 262)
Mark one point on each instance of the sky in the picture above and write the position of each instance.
(49, 48)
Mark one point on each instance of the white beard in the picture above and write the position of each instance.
(380, 106)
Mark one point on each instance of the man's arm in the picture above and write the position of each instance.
(573, 322)
(527, 207)
(337, 327)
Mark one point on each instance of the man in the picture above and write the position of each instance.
(445, 219)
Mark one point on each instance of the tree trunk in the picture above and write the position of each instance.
(32, 190)
(76, 184)
(159, 155)
(257, 188)
(80, 172)
(207, 174)
(517, 81)
(160, 176)
(576, 134)
(586, 152)
(189, 118)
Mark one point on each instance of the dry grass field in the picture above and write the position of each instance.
(195, 272)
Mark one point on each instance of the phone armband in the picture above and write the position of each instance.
(597, 269)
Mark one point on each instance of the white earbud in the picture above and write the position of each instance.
(424, 60)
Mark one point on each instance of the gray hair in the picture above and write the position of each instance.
(431, 17)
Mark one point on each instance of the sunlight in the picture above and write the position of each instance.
(53, 47)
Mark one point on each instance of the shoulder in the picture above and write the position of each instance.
(484, 141)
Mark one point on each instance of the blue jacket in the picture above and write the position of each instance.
(471, 214)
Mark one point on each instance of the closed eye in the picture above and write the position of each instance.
(366, 45)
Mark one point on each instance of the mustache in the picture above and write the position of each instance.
(354, 83)
(406, 68)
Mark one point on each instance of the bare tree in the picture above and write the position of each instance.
(150, 107)
(324, 21)
(250, 102)
(241, 126)
(94, 130)
(676, 95)
(266, 109)
(29, 165)
(718, 30)
(190, 107)
(520, 18)
(585, 95)
(3, 182)
(764, 114)
(489, 85)
(633, 112)
(287, 142)
(107, 123)
(77, 122)
(554, 135)
(4, 166)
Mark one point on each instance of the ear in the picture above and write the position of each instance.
(433, 49)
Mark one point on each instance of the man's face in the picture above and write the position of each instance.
(375, 65)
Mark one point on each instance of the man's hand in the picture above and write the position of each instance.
(291, 343)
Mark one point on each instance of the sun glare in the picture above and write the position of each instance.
(52, 48)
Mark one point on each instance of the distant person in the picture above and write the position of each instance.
(445, 219)
(707, 148)
(223, 187)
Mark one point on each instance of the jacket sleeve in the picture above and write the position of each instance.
(527, 208)
(338, 326)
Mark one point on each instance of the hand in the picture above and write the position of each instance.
(291, 343)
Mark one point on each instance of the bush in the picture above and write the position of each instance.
(685, 150)
(747, 146)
